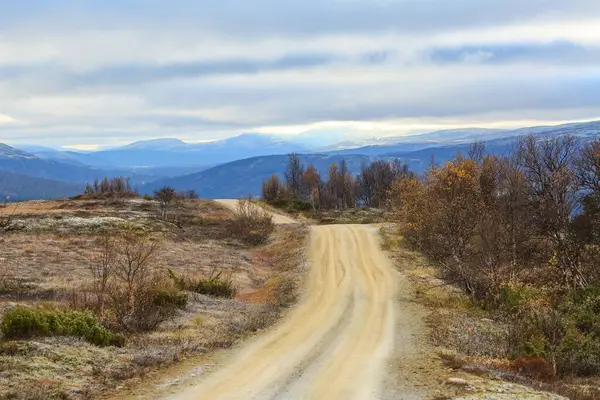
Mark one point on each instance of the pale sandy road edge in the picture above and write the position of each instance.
(281, 219)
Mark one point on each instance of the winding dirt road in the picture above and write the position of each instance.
(334, 344)
(277, 218)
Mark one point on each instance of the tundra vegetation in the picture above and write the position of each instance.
(519, 234)
(110, 286)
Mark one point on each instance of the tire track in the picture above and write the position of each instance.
(334, 344)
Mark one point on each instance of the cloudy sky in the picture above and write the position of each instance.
(103, 72)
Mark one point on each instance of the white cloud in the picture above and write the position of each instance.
(8, 120)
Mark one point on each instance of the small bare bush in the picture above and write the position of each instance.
(250, 224)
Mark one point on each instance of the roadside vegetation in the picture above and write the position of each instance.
(250, 223)
(109, 286)
(340, 197)
(516, 238)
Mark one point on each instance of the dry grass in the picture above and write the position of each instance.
(50, 264)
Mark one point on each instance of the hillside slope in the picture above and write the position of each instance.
(21, 187)
(23, 163)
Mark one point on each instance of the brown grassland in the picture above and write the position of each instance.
(47, 249)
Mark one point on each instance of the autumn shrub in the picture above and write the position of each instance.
(519, 234)
(534, 367)
(214, 285)
(26, 322)
(250, 223)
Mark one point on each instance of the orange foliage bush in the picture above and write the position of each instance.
(534, 367)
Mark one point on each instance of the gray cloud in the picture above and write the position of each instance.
(105, 70)
(561, 52)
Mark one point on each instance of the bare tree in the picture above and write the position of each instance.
(102, 269)
(114, 188)
(293, 175)
(476, 152)
(375, 181)
(313, 185)
(588, 167)
(366, 182)
(271, 189)
(554, 193)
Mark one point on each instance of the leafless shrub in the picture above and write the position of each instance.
(251, 224)
(134, 255)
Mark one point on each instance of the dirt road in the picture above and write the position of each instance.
(335, 343)
(277, 218)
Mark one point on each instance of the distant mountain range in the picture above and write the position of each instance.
(458, 137)
(236, 166)
(176, 153)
